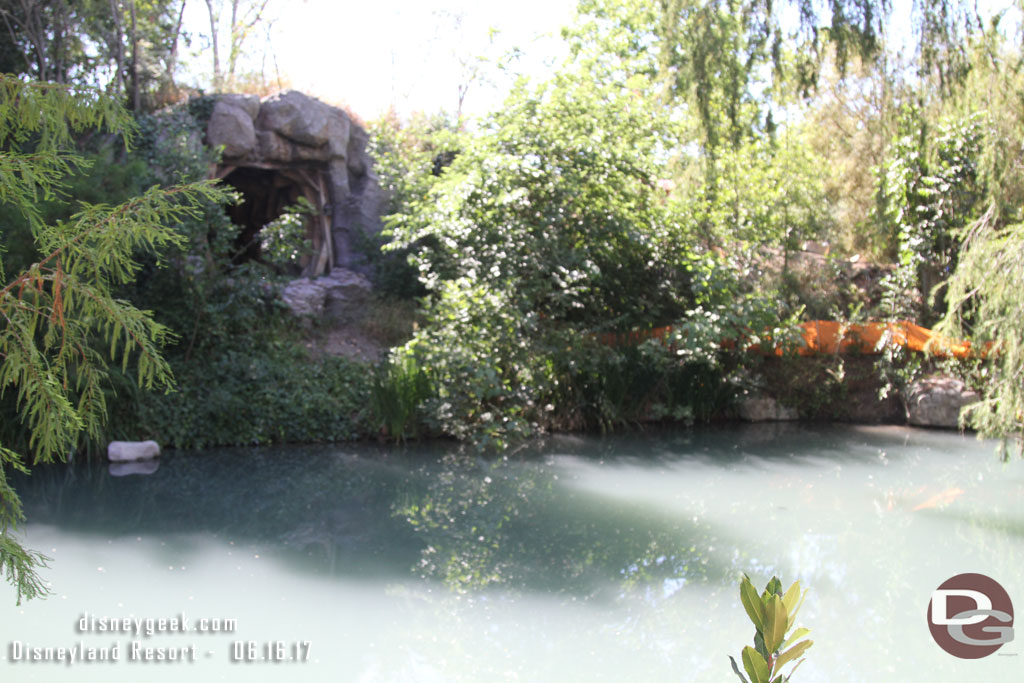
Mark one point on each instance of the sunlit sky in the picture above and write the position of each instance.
(406, 54)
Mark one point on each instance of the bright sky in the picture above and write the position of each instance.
(406, 53)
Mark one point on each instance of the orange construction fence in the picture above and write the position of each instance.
(830, 337)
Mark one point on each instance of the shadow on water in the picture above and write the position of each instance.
(429, 511)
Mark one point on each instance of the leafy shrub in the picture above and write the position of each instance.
(284, 240)
(774, 616)
(271, 393)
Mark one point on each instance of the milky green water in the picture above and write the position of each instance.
(580, 559)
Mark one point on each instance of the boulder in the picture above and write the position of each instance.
(131, 451)
(347, 294)
(306, 121)
(271, 147)
(936, 402)
(250, 104)
(232, 127)
(766, 409)
(304, 297)
(358, 142)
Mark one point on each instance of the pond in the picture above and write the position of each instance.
(576, 559)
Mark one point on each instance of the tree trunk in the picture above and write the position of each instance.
(172, 57)
(216, 51)
(33, 27)
(136, 100)
(235, 43)
(117, 46)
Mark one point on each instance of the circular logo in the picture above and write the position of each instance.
(970, 616)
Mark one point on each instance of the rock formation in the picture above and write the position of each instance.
(290, 145)
(765, 409)
(937, 402)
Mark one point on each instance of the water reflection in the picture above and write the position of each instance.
(468, 522)
(599, 559)
(125, 469)
(589, 517)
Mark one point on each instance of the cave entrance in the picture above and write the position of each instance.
(267, 190)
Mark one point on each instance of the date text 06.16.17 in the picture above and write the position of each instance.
(251, 651)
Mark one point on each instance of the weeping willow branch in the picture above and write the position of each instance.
(984, 300)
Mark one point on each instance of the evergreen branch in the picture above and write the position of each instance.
(123, 228)
(52, 420)
(20, 567)
(28, 177)
(50, 113)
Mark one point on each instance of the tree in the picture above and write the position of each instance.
(983, 295)
(726, 59)
(558, 201)
(61, 324)
(48, 35)
(850, 124)
(127, 46)
(245, 16)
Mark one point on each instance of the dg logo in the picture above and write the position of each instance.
(970, 616)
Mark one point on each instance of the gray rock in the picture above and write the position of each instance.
(358, 141)
(231, 127)
(937, 402)
(131, 451)
(250, 104)
(272, 147)
(347, 294)
(305, 120)
(766, 409)
(304, 297)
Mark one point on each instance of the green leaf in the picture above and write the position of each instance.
(736, 669)
(793, 599)
(775, 621)
(759, 645)
(752, 602)
(755, 666)
(792, 653)
(795, 636)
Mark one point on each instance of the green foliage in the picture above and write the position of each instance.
(400, 387)
(558, 202)
(127, 49)
(931, 191)
(547, 228)
(725, 60)
(773, 614)
(409, 157)
(479, 355)
(284, 239)
(767, 193)
(265, 393)
(850, 124)
(984, 298)
(62, 323)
